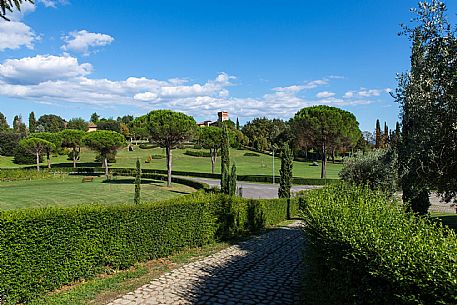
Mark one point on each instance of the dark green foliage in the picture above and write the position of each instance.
(9, 141)
(377, 169)
(3, 123)
(168, 129)
(285, 181)
(263, 133)
(137, 198)
(109, 124)
(378, 135)
(23, 174)
(54, 138)
(78, 124)
(9, 6)
(211, 138)
(32, 122)
(54, 246)
(94, 118)
(251, 154)
(51, 123)
(232, 181)
(37, 147)
(415, 196)
(225, 161)
(365, 249)
(202, 154)
(73, 138)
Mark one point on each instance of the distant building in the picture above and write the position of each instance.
(205, 123)
(92, 127)
(223, 116)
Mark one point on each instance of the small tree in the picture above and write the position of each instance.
(285, 180)
(94, 118)
(210, 138)
(232, 181)
(78, 123)
(169, 129)
(3, 123)
(105, 142)
(54, 138)
(137, 182)
(32, 122)
(72, 138)
(51, 123)
(37, 147)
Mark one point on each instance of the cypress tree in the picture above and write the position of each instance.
(3, 123)
(225, 161)
(232, 181)
(32, 122)
(137, 182)
(378, 135)
(237, 124)
(386, 135)
(285, 180)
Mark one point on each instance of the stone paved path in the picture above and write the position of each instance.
(264, 270)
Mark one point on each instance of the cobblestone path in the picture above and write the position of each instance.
(264, 270)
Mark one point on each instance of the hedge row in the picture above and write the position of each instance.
(21, 174)
(43, 249)
(365, 249)
(202, 154)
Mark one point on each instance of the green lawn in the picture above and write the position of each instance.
(261, 165)
(69, 190)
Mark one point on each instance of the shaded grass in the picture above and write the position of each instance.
(64, 191)
(447, 219)
(246, 165)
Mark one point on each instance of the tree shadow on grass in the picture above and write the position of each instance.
(267, 269)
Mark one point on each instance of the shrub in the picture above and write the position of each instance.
(23, 174)
(251, 154)
(111, 156)
(203, 154)
(146, 146)
(43, 249)
(365, 249)
(9, 140)
(23, 156)
(377, 169)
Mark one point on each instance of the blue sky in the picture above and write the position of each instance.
(251, 58)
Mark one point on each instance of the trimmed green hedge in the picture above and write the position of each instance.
(24, 174)
(365, 249)
(43, 249)
(200, 153)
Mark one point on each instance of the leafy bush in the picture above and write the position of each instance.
(365, 249)
(152, 157)
(251, 154)
(146, 146)
(9, 140)
(23, 156)
(110, 156)
(377, 169)
(23, 174)
(203, 154)
(43, 249)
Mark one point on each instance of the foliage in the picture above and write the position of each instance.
(19, 126)
(378, 135)
(285, 181)
(51, 123)
(210, 138)
(3, 123)
(51, 137)
(21, 174)
(225, 161)
(94, 118)
(78, 124)
(9, 6)
(365, 249)
(105, 142)
(325, 127)
(37, 147)
(377, 169)
(232, 181)
(32, 122)
(9, 140)
(63, 245)
(73, 138)
(137, 198)
(263, 133)
(169, 129)
(109, 124)
(428, 150)
(201, 154)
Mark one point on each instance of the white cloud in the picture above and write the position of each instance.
(325, 94)
(42, 68)
(369, 92)
(315, 83)
(62, 79)
(52, 3)
(15, 34)
(83, 41)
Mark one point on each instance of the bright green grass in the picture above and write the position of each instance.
(69, 190)
(261, 165)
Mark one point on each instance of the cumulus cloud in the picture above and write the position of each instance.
(325, 94)
(15, 34)
(42, 68)
(365, 93)
(83, 41)
(62, 79)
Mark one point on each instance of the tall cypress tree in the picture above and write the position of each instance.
(225, 161)
(378, 135)
(3, 123)
(137, 182)
(285, 180)
(232, 181)
(32, 122)
(237, 124)
(386, 135)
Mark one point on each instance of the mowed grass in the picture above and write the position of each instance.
(246, 165)
(64, 191)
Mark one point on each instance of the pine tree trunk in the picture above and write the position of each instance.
(37, 161)
(213, 160)
(74, 157)
(324, 161)
(333, 155)
(169, 160)
(48, 155)
(106, 167)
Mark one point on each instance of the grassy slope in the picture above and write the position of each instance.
(261, 165)
(69, 190)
